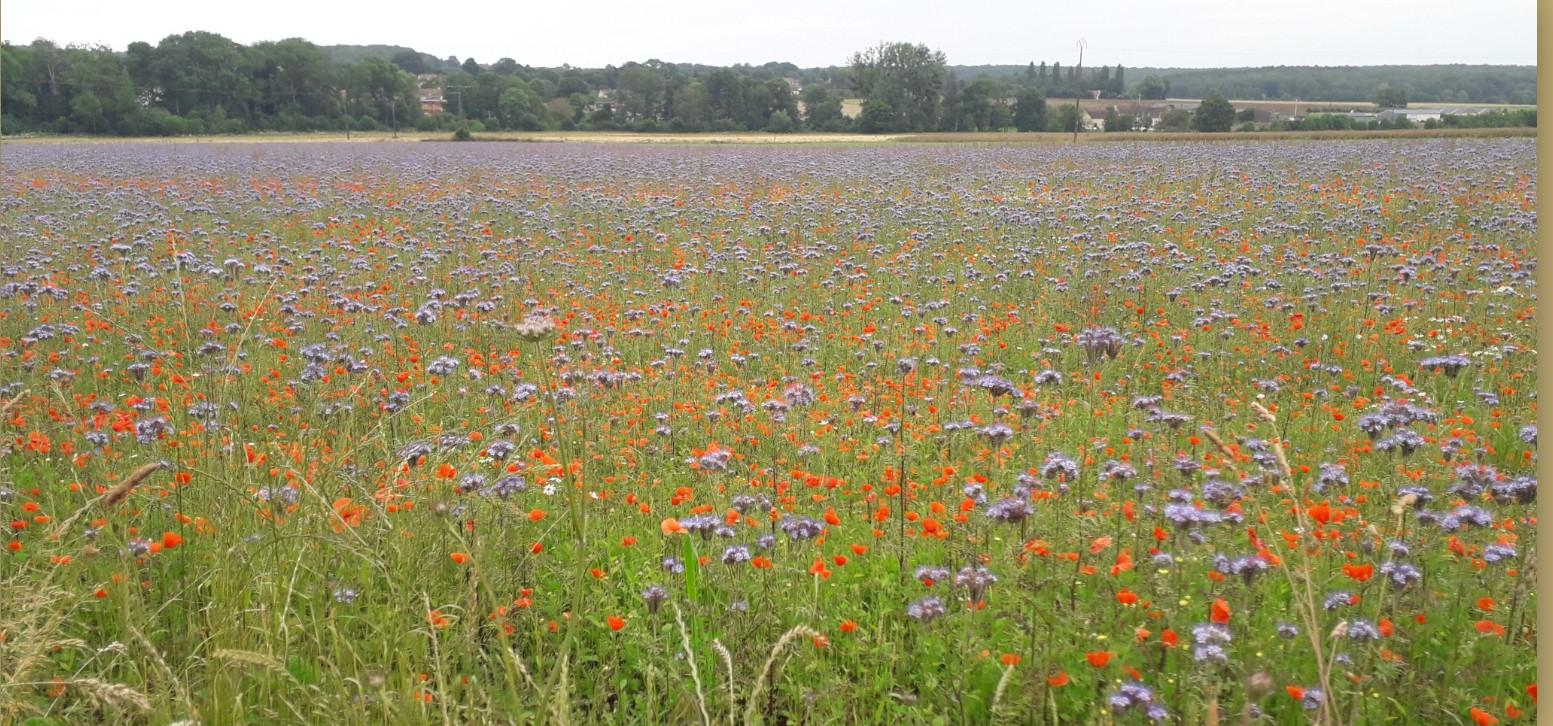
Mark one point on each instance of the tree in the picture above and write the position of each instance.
(877, 117)
(780, 123)
(15, 98)
(1215, 114)
(1030, 110)
(471, 67)
(950, 116)
(822, 108)
(409, 61)
(1175, 119)
(1154, 88)
(199, 72)
(907, 79)
(1067, 119)
(292, 78)
(1113, 120)
(521, 109)
(379, 91)
(1389, 96)
(641, 90)
(979, 104)
(692, 108)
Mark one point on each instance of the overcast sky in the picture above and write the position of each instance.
(1159, 33)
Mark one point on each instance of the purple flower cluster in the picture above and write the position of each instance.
(1134, 696)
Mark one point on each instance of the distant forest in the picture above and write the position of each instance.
(204, 83)
(1430, 84)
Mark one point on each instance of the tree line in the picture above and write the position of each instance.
(203, 83)
(1440, 83)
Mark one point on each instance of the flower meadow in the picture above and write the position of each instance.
(579, 433)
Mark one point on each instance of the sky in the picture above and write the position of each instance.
(1135, 33)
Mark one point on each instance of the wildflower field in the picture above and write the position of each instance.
(577, 433)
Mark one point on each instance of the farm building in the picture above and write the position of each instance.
(432, 102)
(1420, 115)
(1416, 115)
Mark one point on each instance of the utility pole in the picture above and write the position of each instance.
(1079, 80)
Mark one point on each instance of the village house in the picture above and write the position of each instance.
(432, 102)
(429, 91)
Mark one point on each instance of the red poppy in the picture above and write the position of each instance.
(1219, 611)
(1098, 658)
(1359, 573)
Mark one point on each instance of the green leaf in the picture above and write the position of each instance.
(692, 572)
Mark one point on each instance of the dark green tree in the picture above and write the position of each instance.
(877, 117)
(1066, 119)
(642, 91)
(780, 123)
(409, 61)
(197, 73)
(1176, 119)
(378, 91)
(1030, 110)
(1113, 120)
(907, 79)
(821, 108)
(1215, 114)
(1153, 87)
(1389, 96)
